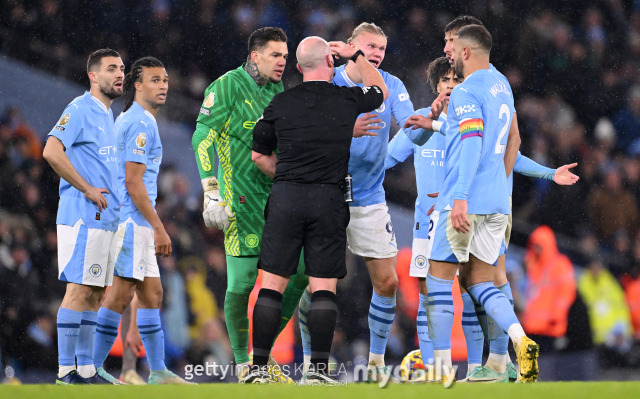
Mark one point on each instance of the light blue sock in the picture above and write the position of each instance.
(422, 324)
(303, 309)
(472, 331)
(498, 338)
(440, 312)
(382, 311)
(106, 334)
(152, 337)
(495, 304)
(482, 318)
(84, 349)
(68, 322)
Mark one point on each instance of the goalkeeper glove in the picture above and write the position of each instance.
(216, 212)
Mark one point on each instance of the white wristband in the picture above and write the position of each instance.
(436, 125)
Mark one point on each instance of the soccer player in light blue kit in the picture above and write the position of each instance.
(370, 232)
(473, 206)
(499, 364)
(81, 148)
(141, 235)
(429, 167)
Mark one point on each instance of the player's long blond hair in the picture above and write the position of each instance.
(369, 27)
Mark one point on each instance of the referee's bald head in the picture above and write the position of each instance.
(312, 53)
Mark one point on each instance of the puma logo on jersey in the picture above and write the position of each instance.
(250, 103)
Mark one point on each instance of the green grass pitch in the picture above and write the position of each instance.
(580, 390)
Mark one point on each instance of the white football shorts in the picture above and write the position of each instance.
(135, 252)
(370, 232)
(85, 256)
(484, 239)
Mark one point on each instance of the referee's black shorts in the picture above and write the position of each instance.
(311, 215)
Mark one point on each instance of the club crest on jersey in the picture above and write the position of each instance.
(141, 141)
(251, 240)
(208, 102)
(64, 120)
(95, 270)
(381, 109)
(421, 262)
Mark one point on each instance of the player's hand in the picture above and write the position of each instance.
(364, 125)
(341, 49)
(133, 341)
(162, 242)
(216, 211)
(459, 219)
(437, 106)
(432, 195)
(94, 194)
(417, 122)
(564, 177)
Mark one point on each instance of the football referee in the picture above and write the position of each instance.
(312, 126)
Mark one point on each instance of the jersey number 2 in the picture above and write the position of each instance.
(504, 110)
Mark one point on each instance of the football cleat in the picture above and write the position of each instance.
(166, 377)
(257, 375)
(312, 378)
(486, 375)
(72, 378)
(102, 373)
(512, 372)
(528, 353)
(274, 369)
(131, 377)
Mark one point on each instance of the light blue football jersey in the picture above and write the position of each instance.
(366, 164)
(138, 141)
(87, 131)
(482, 106)
(428, 161)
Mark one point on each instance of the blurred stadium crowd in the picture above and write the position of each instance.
(573, 67)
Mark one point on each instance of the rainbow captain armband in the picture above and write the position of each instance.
(471, 128)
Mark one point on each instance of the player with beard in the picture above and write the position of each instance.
(81, 148)
(473, 207)
(232, 105)
(499, 365)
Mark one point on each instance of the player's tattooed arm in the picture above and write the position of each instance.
(252, 69)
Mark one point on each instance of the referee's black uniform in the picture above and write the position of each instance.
(312, 126)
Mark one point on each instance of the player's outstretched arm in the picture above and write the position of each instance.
(398, 151)
(134, 172)
(561, 176)
(54, 154)
(564, 177)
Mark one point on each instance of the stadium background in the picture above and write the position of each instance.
(573, 67)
